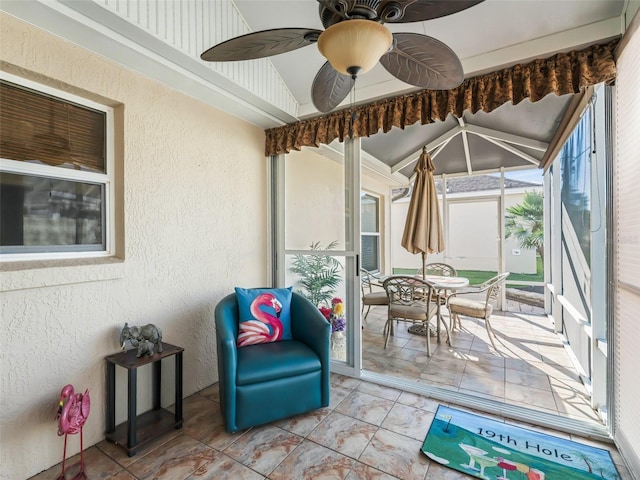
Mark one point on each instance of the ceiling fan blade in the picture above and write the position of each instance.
(330, 88)
(339, 7)
(261, 44)
(423, 61)
(420, 10)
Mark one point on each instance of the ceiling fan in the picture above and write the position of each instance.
(354, 40)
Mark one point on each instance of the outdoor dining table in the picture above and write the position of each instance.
(441, 285)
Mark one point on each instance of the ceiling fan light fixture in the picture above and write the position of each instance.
(354, 46)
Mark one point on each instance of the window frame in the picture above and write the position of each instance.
(47, 171)
(377, 234)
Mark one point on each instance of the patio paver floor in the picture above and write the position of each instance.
(531, 367)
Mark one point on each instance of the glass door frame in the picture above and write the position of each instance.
(278, 252)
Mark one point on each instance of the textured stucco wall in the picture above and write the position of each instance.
(314, 196)
(194, 226)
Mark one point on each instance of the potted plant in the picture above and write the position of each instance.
(319, 275)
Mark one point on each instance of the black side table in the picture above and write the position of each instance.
(140, 429)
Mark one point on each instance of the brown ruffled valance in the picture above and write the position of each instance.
(561, 74)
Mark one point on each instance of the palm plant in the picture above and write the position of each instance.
(319, 275)
(525, 222)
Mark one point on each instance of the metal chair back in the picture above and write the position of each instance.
(409, 300)
(440, 269)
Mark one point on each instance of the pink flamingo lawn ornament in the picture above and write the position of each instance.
(73, 410)
(266, 328)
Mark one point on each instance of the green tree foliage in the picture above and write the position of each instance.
(319, 275)
(524, 222)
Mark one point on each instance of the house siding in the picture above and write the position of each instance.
(192, 225)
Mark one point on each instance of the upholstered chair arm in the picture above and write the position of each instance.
(226, 315)
(309, 326)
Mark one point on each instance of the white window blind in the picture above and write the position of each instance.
(627, 252)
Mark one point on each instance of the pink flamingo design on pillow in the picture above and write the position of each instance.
(266, 327)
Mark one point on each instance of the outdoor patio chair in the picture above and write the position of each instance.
(409, 301)
(441, 270)
(459, 305)
(370, 297)
(265, 382)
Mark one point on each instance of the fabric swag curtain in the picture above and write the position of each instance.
(561, 74)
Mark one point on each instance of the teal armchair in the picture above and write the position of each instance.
(270, 381)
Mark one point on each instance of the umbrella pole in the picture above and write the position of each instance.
(424, 258)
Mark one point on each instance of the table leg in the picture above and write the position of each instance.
(438, 319)
(131, 411)
(157, 382)
(111, 397)
(178, 415)
(440, 298)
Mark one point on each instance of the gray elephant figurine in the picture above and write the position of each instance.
(145, 347)
(139, 335)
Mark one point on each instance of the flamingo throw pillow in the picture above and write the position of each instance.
(264, 315)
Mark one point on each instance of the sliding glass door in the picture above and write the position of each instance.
(316, 197)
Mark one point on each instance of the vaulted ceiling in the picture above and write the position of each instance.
(164, 40)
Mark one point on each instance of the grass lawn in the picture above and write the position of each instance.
(477, 277)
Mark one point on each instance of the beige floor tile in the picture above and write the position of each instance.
(442, 377)
(343, 381)
(396, 455)
(305, 423)
(361, 471)
(119, 455)
(575, 407)
(179, 459)
(263, 448)
(98, 466)
(419, 401)
(338, 445)
(540, 381)
(343, 434)
(520, 365)
(493, 358)
(531, 396)
(551, 410)
(409, 421)
(449, 363)
(201, 415)
(379, 391)
(310, 461)
(338, 394)
(415, 356)
(224, 468)
(366, 407)
(368, 431)
(482, 384)
(496, 372)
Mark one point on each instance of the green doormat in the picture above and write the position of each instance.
(485, 448)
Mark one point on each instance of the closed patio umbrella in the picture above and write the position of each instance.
(423, 228)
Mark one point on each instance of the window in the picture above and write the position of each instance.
(56, 173)
(370, 232)
(575, 171)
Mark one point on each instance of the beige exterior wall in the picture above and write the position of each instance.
(525, 262)
(315, 199)
(194, 218)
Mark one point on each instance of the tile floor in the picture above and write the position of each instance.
(367, 432)
(531, 367)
